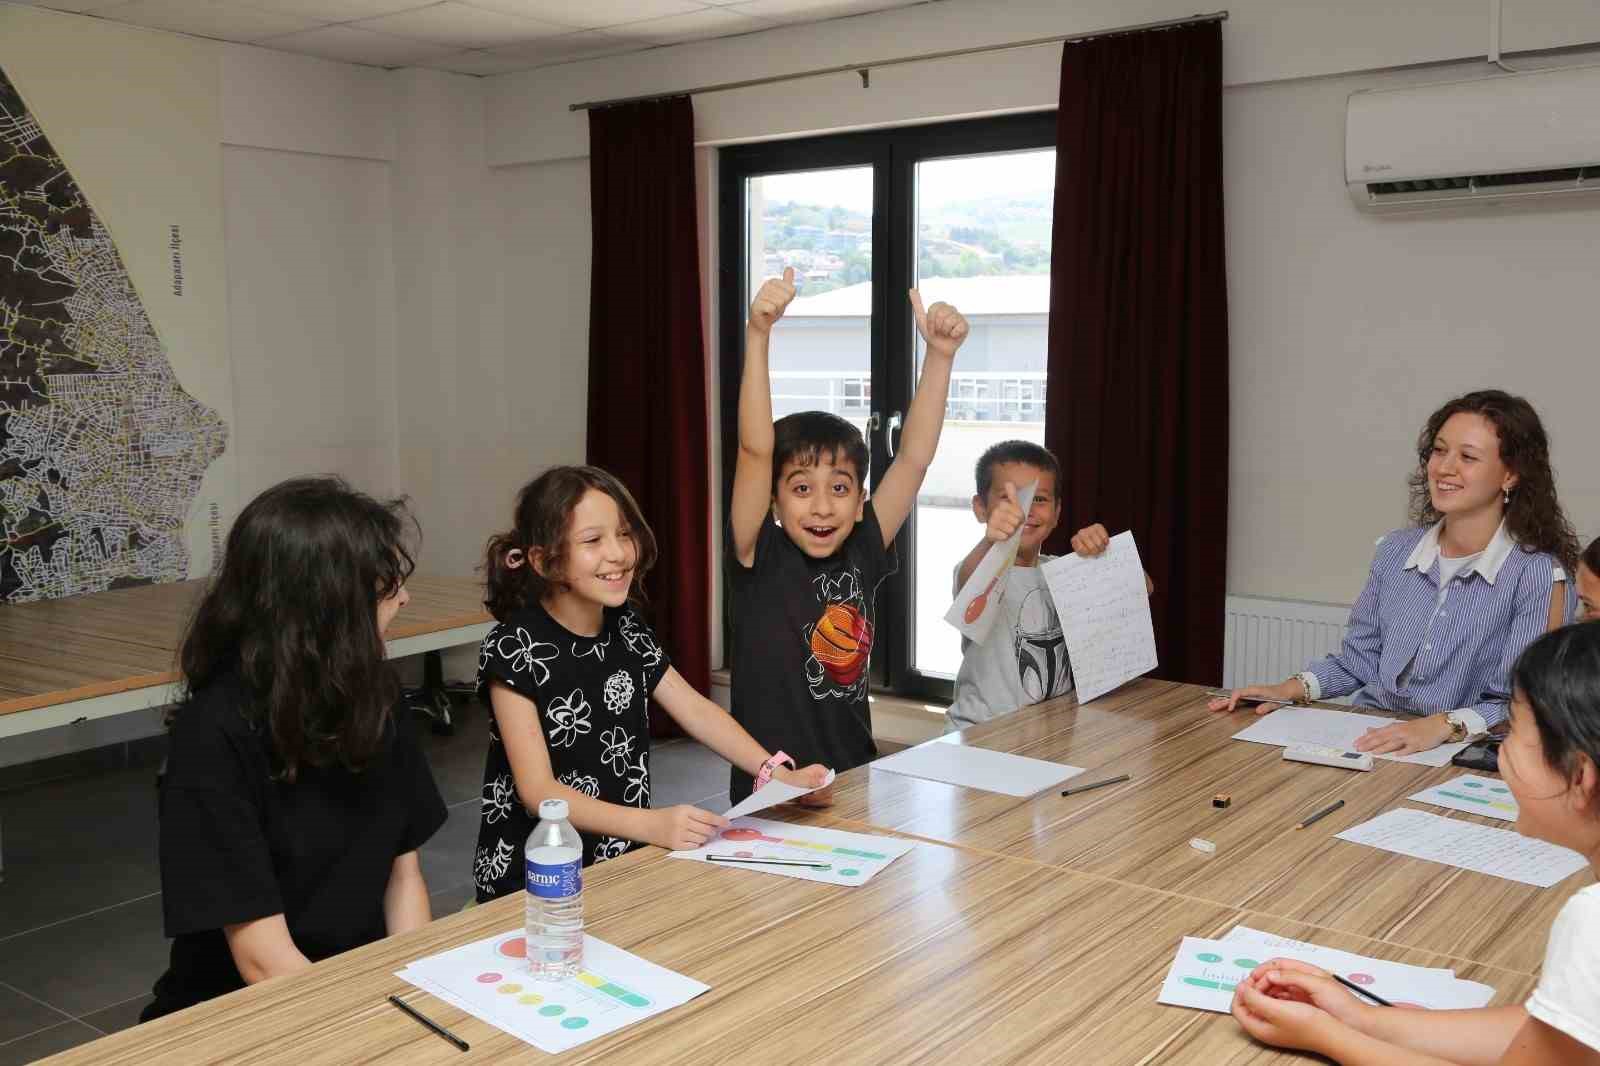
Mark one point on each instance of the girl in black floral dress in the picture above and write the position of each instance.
(570, 672)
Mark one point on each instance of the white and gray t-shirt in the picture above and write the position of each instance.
(1023, 662)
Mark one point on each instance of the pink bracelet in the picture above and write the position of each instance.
(765, 773)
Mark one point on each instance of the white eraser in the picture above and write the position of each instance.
(1201, 844)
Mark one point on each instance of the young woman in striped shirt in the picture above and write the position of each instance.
(1453, 600)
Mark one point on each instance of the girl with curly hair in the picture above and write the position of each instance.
(1452, 600)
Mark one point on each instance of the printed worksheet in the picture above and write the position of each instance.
(807, 852)
(1473, 794)
(1331, 729)
(1496, 852)
(970, 767)
(977, 605)
(1105, 616)
(489, 980)
(771, 794)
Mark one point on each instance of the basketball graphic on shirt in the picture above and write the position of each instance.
(842, 643)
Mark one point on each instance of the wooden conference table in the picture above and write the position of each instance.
(107, 653)
(1021, 930)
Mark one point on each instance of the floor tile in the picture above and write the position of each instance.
(120, 1017)
(683, 771)
(77, 845)
(65, 964)
(448, 901)
(20, 1015)
(50, 1041)
(447, 856)
(457, 760)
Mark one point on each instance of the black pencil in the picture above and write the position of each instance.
(1352, 986)
(1329, 809)
(429, 1022)
(1094, 784)
(770, 862)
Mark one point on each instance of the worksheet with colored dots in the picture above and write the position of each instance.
(1475, 795)
(489, 979)
(808, 852)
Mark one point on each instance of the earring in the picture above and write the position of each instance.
(1508, 497)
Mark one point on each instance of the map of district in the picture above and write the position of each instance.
(101, 450)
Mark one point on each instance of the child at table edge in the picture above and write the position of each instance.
(1551, 761)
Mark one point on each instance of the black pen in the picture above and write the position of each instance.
(1352, 986)
(1329, 809)
(429, 1022)
(1094, 784)
(770, 862)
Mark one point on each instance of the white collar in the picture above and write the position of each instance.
(1487, 564)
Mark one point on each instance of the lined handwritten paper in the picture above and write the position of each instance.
(977, 605)
(1105, 616)
(1333, 729)
(1496, 852)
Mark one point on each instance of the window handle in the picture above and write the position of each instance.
(888, 435)
(873, 422)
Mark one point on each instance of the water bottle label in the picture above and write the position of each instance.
(556, 880)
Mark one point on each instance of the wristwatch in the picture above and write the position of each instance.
(767, 768)
(1458, 728)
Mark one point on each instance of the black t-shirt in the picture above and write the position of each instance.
(802, 637)
(238, 843)
(593, 696)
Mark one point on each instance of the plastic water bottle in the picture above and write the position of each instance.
(554, 916)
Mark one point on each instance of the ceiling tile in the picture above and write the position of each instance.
(809, 10)
(206, 18)
(585, 45)
(351, 45)
(712, 22)
(476, 61)
(462, 26)
(79, 6)
(336, 10)
(589, 14)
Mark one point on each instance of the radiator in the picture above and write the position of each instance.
(1267, 640)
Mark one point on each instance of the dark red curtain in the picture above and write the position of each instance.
(1138, 355)
(648, 381)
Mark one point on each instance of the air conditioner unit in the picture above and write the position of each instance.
(1483, 141)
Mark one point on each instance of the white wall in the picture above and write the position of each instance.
(1325, 302)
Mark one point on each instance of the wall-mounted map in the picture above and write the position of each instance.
(102, 453)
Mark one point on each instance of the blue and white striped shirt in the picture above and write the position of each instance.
(1408, 650)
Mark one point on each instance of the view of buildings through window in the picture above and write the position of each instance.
(983, 245)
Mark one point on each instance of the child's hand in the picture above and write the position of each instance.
(806, 777)
(684, 828)
(771, 300)
(942, 326)
(1091, 540)
(1301, 982)
(822, 797)
(1286, 1023)
(1004, 517)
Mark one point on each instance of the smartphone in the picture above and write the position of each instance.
(1484, 755)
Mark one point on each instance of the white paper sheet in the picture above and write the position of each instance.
(1497, 852)
(977, 605)
(1473, 794)
(771, 794)
(1205, 972)
(1332, 729)
(489, 980)
(851, 858)
(1105, 616)
(980, 768)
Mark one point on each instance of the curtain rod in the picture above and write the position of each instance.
(863, 68)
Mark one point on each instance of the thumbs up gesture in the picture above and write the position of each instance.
(771, 300)
(942, 327)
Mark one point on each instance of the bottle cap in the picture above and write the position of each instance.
(554, 810)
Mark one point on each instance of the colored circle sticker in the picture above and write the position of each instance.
(490, 978)
(1206, 956)
(529, 999)
(851, 872)
(510, 988)
(634, 999)
(1362, 978)
(552, 1010)
(1472, 784)
(1246, 964)
(741, 834)
(745, 854)
(574, 1023)
(1500, 789)
(515, 948)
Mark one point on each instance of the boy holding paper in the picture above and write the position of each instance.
(1024, 660)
